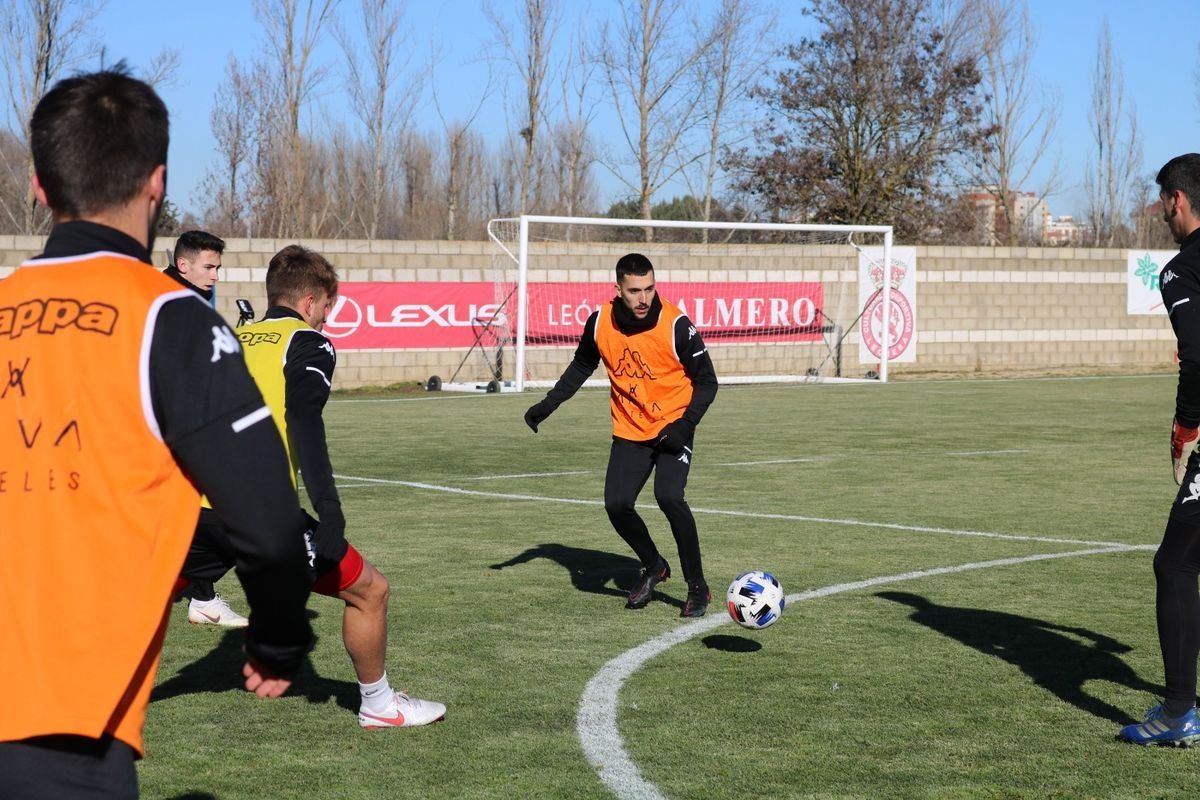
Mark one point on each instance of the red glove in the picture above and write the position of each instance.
(1183, 444)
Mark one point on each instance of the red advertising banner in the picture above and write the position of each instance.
(389, 316)
(749, 312)
(373, 316)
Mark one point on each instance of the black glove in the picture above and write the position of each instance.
(675, 436)
(537, 414)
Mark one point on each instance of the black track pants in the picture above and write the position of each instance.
(1177, 606)
(629, 467)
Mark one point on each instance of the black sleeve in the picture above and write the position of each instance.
(584, 363)
(1181, 296)
(697, 363)
(212, 416)
(308, 377)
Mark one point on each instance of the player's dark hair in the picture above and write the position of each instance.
(296, 271)
(191, 243)
(1182, 173)
(633, 264)
(95, 139)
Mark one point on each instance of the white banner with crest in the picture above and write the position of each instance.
(902, 323)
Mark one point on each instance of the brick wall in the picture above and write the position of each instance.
(980, 310)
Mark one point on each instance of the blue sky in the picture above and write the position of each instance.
(1156, 44)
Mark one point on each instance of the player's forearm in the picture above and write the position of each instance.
(573, 377)
(703, 394)
(1186, 322)
(306, 432)
(699, 368)
(253, 495)
(1187, 395)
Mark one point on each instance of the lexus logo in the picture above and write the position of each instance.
(344, 319)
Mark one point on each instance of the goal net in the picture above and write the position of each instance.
(774, 302)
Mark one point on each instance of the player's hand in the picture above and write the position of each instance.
(537, 414)
(262, 681)
(675, 436)
(1183, 444)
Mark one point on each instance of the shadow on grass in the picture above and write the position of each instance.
(220, 670)
(1057, 662)
(731, 644)
(590, 570)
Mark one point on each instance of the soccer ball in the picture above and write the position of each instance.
(755, 599)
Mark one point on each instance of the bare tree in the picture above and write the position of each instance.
(1020, 124)
(421, 192)
(381, 103)
(235, 127)
(571, 146)
(39, 41)
(648, 65)
(504, 199)
(292, 202)
(466, 179)
(162, 69)
(728, 69)
(1148, 228)
(1111, 177)
(529, 53)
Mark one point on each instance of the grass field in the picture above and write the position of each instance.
(971, 615)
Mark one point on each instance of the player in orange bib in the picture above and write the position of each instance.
(126, 396)
(662, 381)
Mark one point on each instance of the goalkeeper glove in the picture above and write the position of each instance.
(537, 414)
(675, 435)
(1183, 444)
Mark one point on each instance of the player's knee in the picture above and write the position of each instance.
(619, 506)
(382, 588)
(671, 502)
(376, 590)
(370, 591)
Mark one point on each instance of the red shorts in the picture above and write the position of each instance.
(342, 576)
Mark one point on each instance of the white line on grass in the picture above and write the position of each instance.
(528, 475)
(987, 452)
(772, 461)
(433, 487)
(596, 720)
(432, 397)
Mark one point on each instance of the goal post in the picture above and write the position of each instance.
(775, 302)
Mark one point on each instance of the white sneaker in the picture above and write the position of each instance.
(215, 612)
(404, 712)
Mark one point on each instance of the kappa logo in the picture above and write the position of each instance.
(691, 332)
(224, 342)
(251, 338)
(310, 550)
(56, 313)
(1193, 489)
(327, 346)
(631, 365)
(1167, 277)
(683, 458)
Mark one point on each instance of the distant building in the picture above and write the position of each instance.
(1062, 231)
(1030, 212)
